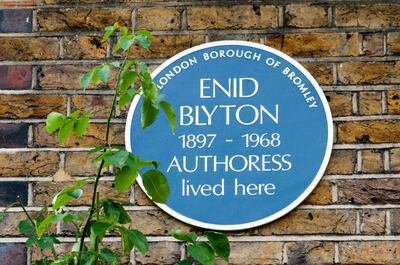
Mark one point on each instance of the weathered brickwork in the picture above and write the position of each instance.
(352, 48)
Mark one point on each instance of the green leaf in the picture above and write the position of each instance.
(44, 261)
(97, 232)
(2, 215)
(124, 99)
(133, 238)
(142, 67)
(108, 256)
(66, 195)
(96, 149)
(143, 41)
(145, 33)
(65, 131)
(86, 78)
(149, 112)
(126, 42)
(31, 241)
(47, 242)
(127, 80)
(125, 178)
(123, 31)
(202, 252)
(58, 217)
(76, 194)
(80, 126)
(103, 72)
(88, 258)
(54, 121)
(185, 262)
(116, 158)
(150, 90)
(114, 209)
(138, 240)
(156, 185)
(109, 31)
(133, 162)
(143, 37)
(44, 224)
(72, 217)
(127, 245)
(66, 260)
(170, 113)
(25, 227)
(220, 244)
(115, 64)
(182, 236)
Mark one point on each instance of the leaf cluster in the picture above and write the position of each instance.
(205, 252)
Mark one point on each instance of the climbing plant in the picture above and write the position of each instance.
(108, 215)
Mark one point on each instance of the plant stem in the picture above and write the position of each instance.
(96, 183)
(25, 211)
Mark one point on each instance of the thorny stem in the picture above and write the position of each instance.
(96, 183)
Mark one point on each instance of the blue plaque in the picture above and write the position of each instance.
(253, 138)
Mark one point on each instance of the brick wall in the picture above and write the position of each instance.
(352, 49)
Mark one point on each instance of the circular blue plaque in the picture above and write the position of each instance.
(253, 138)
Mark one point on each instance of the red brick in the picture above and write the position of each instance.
(17, 3)
(15, 77)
